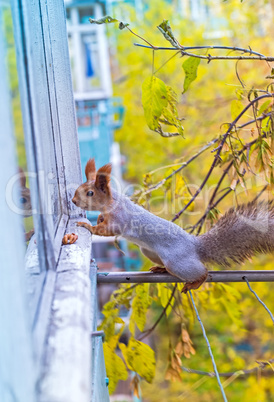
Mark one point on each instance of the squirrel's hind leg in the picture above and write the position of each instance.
(194, 285)
(157, 270)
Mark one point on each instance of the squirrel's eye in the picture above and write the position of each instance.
(90, 193)
(23, 200)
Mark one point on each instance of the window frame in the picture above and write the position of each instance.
(46, 94)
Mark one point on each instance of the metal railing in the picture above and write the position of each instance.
(213, 276)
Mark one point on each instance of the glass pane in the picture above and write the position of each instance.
(20, 203)
(33, 108)
(85, 61)
(92, 68)
(16, 378)
(37, 83)
(85, 13)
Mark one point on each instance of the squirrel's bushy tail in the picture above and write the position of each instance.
(241, 233)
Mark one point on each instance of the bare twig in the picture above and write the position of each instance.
(196, 155)
(212, 206)
(260, 193)
(254, 120)
(262, 365)
(184, 164)
(259, 300)
(233, 48)
(209, 348)
(140, 37)
(217, 156)
(209, 57)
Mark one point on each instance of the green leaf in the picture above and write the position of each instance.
(108, 20)
(139, 357)
(154, 100)
(264, 106)
(190, 67)
(170, 113)
(160, 106)
(166, 30)
(115, 367)
(236, 108)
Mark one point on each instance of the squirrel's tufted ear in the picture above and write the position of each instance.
(102, 181)
(22, 177)
(90, 170)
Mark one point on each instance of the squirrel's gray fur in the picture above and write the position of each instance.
(238, 235)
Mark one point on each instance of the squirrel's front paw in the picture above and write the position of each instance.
(28, 235)
(83, 224)
(70, 238)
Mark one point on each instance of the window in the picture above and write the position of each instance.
(85, 13)
(88, 53)
(58, 277)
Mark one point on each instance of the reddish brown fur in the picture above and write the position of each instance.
(25, 194)
(22, 177)
(99, 183)
(90, 170)
(103, 179)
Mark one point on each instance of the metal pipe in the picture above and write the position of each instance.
(213, 276)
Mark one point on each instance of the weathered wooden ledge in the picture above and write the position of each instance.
(213, 276)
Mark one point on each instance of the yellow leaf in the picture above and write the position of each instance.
(140, 305)
(154, 100)
(236, 108)
(140, 358)
(164, 294)
(115, 367)
(264, 107)
(190, 67)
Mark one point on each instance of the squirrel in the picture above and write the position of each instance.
(241, 233)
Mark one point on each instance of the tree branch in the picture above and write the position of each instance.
(209, 58)
(212, 206)
(200, 152)
(219, 149)
(254, 370)
(232, 48)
